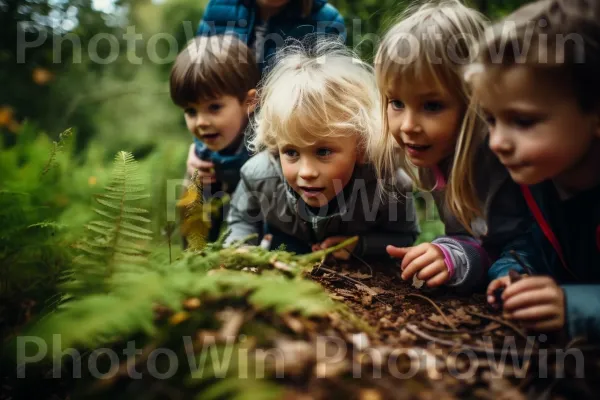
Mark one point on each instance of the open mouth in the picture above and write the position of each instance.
(209, 136)
(311, 191)
(418, 147)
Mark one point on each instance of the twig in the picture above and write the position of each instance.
(487, 329)
(359, 283)
(361, 260)
(500, 321)
(477, 349)
(439, 310)
(519, 261)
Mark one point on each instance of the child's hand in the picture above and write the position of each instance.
(206, 174)
(537, 302)
(426, 260)
(497, 283)
(342, 254)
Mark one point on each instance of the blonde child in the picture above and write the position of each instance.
(310, 186)
(542, 106)
(214, 81)
(430, 129)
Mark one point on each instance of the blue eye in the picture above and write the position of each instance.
(190, 112)
(397, 104)
(291, 153)
(433, 106)
(324, 152)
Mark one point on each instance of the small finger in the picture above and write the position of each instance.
(529, 283)
(438, 280)
(535, 313)
(529, 298)
(432, 270)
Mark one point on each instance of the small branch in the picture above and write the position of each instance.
(439, 310)
(500, 321)
(359, 283)
(490, 328)
(448, 343)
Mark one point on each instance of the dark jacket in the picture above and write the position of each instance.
(573, 224)
(240, 17)
(505, 225)
(263, 197)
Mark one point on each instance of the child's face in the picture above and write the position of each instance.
(424, 118)
(217, 122)
(320, 171)
(537, 129)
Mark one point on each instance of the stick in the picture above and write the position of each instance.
(439, 310)
(488, 329)
(519, 261)
(476, 349)
(369, 290)
(500, 321)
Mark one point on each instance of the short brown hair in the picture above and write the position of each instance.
(562, 36)
(213, 66)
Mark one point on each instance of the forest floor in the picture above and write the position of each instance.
(407, 343)
(430, 344)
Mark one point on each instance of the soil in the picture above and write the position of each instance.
(433, 344)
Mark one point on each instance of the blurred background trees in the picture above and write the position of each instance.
(79, 64)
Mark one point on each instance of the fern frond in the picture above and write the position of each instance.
(57, 147)
(121, 238)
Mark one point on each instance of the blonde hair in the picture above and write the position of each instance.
(559, 36)
(443, 34)
(213, 66)
(315, 91)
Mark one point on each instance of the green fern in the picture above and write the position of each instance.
(57, 147)
(119, 242)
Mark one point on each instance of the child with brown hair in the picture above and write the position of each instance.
(541, 99)
(213, 80)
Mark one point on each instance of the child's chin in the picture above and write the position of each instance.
(522, 178)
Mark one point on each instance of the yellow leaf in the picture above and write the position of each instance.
(41, 76)
(6, 115)
(178, 318)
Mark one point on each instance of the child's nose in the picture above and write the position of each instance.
(202, 121)
(410, 123)
(308, 171)
(500, 142)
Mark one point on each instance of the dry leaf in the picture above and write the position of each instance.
(417, 283)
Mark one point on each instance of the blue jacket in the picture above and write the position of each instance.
(227, 167)
(240, 17)
(574, 257)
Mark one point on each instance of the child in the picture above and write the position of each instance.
(310, 188)
(264, 25)
(543, 111)
(213, 80)
(426, 110)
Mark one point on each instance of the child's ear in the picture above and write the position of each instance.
(251, 100)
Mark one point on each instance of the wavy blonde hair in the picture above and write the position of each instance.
(317, 89)
(443, 35)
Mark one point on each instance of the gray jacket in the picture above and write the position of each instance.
(504, 227)
(264, 197)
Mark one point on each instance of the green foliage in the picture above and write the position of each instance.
(118, 241)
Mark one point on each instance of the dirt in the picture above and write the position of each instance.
(457, 348)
